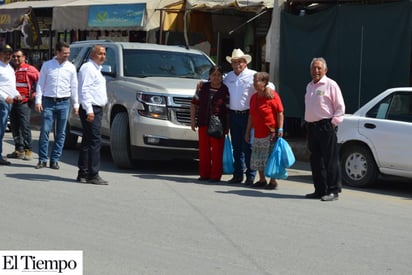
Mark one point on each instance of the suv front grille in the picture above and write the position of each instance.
(180, 110)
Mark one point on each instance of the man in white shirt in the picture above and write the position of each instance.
(92, 98)
(57, 84)
(240, 84)
(8, 93)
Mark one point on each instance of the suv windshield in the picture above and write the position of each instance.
(145, 63)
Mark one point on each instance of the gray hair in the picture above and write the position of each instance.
(320, 59)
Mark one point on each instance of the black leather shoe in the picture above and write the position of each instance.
(97, 180)
(313, 196)
(249, 181)
(54, 165)
(41, 164)
(330, 197)
(235, 180)
(4, 162)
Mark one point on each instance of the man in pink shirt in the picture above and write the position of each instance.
(324, 110)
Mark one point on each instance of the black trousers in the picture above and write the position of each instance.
(324, 158)
(89, 156)
(20, 125)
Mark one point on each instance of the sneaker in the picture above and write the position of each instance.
(97, 180)
(16, 155)
(41, 164)
(330, 197)
(27, 155)
(81, 179)
(4, 162)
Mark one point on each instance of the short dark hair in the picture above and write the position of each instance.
(20, 50)
(216, 68)
(60, 45)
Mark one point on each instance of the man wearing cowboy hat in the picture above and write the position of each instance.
(8, 93)
(240, 84)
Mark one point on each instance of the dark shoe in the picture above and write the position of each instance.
(97, 180)
(16, 155)
(259, 184)
(4, 162)
(313, 196)
(249, 181)
(41, 164)
(203, 179)
(235, 180)
(330, 197)
(272, 185)
(54, 165)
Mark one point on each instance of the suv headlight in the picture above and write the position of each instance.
(153, 106)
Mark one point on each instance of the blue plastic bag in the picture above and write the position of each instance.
(288, 158)
(280, 158)
(227, 160)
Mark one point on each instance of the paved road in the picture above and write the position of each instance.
(156, 219)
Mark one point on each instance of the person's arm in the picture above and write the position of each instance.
(280, 119)
(248, 129)
(193, 110)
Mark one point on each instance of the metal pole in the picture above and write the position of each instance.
(360, 69)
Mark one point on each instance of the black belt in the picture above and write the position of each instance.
(57, 99)
(244, 112)
(320, 122)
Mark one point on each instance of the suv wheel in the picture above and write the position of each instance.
(358, 166)
(120, 141)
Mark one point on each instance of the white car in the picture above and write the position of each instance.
(376, 139)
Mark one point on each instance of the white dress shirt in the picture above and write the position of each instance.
(58, 81)
(92, 86)
(7, 82)
(240, 88)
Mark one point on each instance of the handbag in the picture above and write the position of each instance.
(215, 128)
(227, 160)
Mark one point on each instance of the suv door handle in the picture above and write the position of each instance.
(369, 125)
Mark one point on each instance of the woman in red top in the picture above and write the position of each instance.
(211, 98)
(266, 118)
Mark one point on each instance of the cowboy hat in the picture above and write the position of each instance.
(238, 54)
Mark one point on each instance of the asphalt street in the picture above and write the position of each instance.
(158, 219)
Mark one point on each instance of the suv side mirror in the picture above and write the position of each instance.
(106, 69)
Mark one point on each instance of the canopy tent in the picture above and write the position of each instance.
(75, 14)
(23, 20)
(245, 5)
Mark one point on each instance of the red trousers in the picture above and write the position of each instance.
(210, 155)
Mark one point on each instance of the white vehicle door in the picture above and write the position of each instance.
(388, 126)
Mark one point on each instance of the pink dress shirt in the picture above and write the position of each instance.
(324, 100)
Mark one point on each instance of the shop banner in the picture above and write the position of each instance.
(122, 15)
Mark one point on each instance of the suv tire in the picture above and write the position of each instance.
(120, 141)
(358, 166)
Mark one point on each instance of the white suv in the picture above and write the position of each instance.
(375, 139)
(149, 90)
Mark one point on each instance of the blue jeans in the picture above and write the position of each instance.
(241, 150)
(4, 114)
(53, 113)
